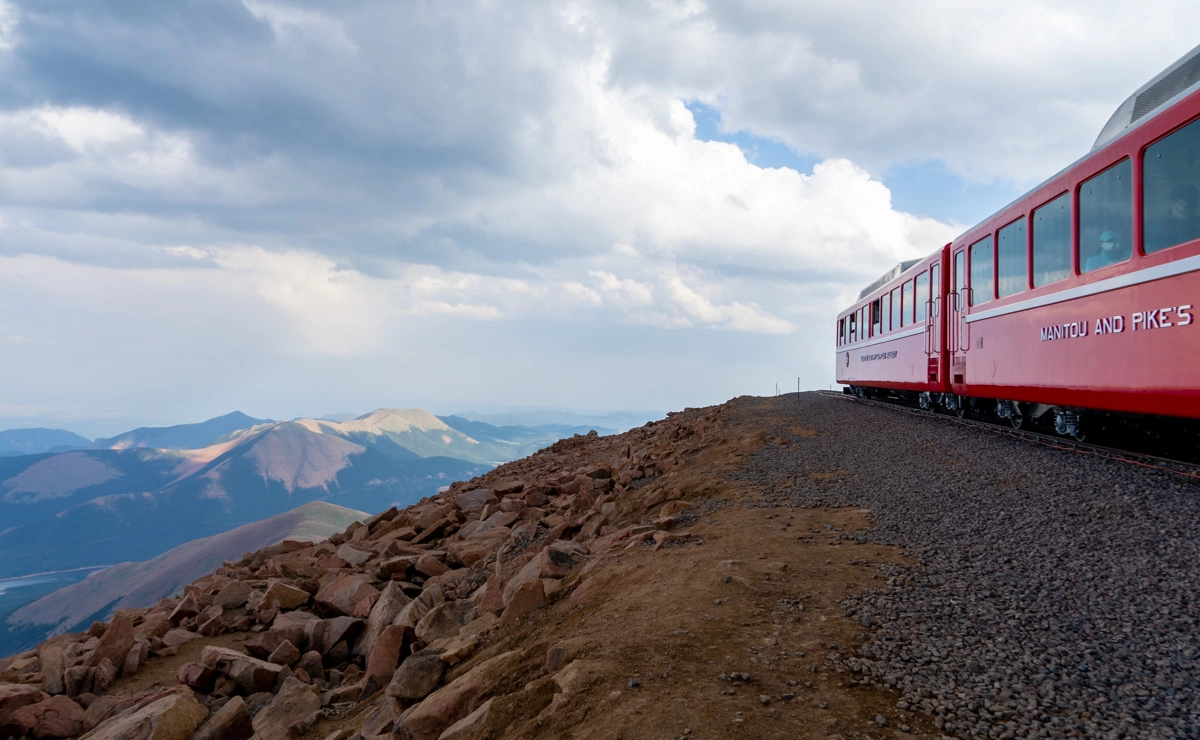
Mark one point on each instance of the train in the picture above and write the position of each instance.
(1076, 301)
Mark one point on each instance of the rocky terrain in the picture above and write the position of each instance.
(786, 567)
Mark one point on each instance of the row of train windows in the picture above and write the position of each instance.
(1170, 169)
(904, 305)
(1000, 264)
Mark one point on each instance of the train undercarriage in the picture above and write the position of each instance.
(1159, 435)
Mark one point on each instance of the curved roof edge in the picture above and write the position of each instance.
(1179, 78)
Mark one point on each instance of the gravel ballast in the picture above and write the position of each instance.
(1056, 591)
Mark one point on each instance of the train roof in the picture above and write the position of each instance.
(888, 276)
(1177, 79)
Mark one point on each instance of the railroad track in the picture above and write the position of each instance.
(1134, 457)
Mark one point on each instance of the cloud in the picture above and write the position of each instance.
(282, 184)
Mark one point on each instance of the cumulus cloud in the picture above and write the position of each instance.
(330, 182)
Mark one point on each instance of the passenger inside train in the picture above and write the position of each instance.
(1111, 252)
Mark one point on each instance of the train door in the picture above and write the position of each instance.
(933, 323)
(957, 323)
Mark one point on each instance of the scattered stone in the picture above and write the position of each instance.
(417, 677)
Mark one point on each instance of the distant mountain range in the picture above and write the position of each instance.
(182, 436)
(133, 501)
(130, 585)
(33, 441)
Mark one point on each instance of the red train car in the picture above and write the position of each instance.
(894, 337)
(1079, 296)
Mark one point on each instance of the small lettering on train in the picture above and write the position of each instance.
(1155, 318)
(878, 356)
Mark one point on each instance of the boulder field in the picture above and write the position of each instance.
(618, 587)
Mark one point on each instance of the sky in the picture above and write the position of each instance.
(302, 208)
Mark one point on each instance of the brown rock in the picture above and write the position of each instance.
(343, 592)
(286, 654)
(386, 652)
(420, 606)
(175, 638)
(445, 620)
(196, 675)
(138, 654)
(230, 722)
(509, 487)
(499, 519)
(13, 696)
(490, 596)
(391, 600)
(312, 664)
(233, 595)
(417, 676)
(479, 546)
(555, 561)
(452, 702)
(189, 607)
(530, 596)
(78, 680)
(474, 501)
(457, 648)
(555, 657)
(297, 702)
(282, 596)
(105, 676)
(54, 663)
(355, 555)
(55, 717)
(340, 630)
(264, 644)
(172, 717)
(117, 640)
(429, 565)
(475, 726)
(251, 674)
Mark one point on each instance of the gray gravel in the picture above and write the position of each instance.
(1056, 592)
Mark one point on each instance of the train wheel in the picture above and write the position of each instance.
(860, 392)
(925, 401)
(1017, 419)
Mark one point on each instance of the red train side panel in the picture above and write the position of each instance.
(894, 337)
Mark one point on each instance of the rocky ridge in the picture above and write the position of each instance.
(387, 629)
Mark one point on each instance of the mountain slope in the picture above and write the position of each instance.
(181, 436)
(34, 441)
(132, 585)
(98, 507)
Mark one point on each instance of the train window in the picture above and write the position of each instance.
(875, 317)
(841, 332)
(1052, 241)
(1105, 218)
(982, 286)
(853, 327)
(1012, 258)
(895, 308)
(936, 283)
(906, 306)
(922, 296)
(887, 311)
(1170, 173)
